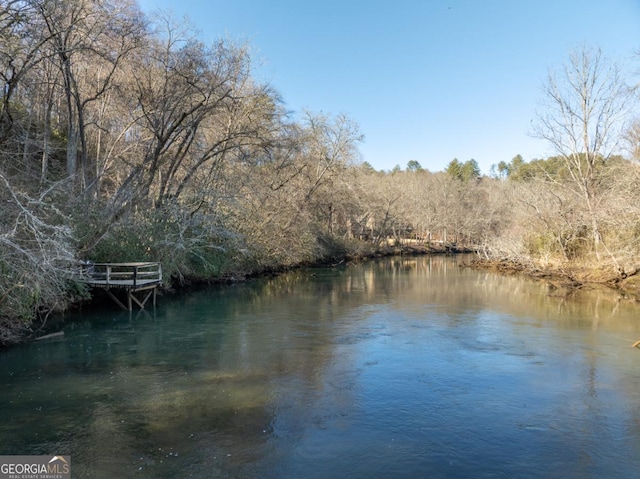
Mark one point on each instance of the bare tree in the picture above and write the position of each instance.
(586, 104)
(90, 40)
(632, 138)
(37, 258)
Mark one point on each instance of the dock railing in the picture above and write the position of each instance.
(132, 277)
(123, 275)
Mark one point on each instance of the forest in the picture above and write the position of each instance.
(127, 138)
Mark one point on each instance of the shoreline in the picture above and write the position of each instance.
(567, 277)
(51, 325)
(570, 276)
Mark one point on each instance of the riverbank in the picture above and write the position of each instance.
(12, 333)
(564, 278)
(355, 256)
(571, 276)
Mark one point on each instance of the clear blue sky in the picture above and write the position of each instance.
(428, 80)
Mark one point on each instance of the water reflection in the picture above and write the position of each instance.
(402, 367)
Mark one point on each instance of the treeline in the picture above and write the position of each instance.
(129, 139)
(126, 139)
(570, 215)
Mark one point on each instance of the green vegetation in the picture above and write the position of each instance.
(123, 139)
(467, 171)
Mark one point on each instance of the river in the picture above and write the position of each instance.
(401, 367)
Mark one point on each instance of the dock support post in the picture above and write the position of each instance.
(118, 302)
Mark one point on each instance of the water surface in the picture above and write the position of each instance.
(402, 367)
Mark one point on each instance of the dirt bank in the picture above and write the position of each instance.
(571, 276)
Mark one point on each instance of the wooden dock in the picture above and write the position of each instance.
(132, 278)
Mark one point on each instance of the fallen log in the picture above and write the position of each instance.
(55, 335)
